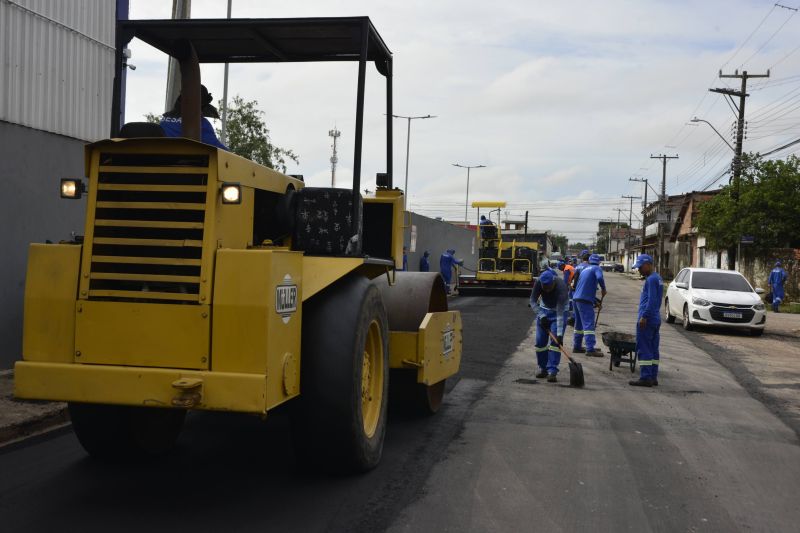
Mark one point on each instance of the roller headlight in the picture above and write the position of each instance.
(231, 193)
(71, 188)
(701, 302)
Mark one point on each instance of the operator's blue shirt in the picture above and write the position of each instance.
(590, 277)
(173, 127)
(650, 299)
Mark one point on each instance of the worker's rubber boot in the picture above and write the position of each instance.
(579, 350)
(641, 382)
(551, 378)
(542, 374)
(594, 352)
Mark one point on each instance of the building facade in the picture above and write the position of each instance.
(56, 74)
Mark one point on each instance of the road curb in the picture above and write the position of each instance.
(23, 419)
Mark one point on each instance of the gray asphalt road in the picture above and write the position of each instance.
(697, 453)
(508, 453)
(236, 473)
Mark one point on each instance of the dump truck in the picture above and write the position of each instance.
(505, 266)
(205, 281)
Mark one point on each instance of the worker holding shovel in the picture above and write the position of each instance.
(549, 299)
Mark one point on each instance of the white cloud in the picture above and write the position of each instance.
(561, 100)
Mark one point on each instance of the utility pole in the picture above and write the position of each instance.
(644, 202)
(662, 207)
(630, 215)
(742, 94)
(181, 9)
(334, 158)
(466, 202)
(224, 130)
(737, 157)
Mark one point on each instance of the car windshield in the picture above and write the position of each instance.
(720, 282)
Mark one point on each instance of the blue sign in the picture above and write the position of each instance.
(747, 239)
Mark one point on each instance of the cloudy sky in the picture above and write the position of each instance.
(562, 101)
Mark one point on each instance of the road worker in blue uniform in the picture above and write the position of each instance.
(584, 299)
(549, 300)
(649, 323)
(776, 280)
(173, 126)
(424, 262)
(446, 263)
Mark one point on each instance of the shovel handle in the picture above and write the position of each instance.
(559, 346)
(599, 308)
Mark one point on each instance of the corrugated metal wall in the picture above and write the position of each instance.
(57, 65)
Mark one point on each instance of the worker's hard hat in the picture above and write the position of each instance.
(778, 263)
(594, 259)
(642, 259)
(584, 252)
(547, 277)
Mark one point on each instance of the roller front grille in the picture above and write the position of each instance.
(149, 227)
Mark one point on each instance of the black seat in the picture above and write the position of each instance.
(324, 221)
(131, 130)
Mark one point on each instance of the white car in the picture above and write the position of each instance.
(710, 297)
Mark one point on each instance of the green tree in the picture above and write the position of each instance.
(248, 136)
(768, 207)
(560, 243)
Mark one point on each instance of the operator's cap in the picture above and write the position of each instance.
(584, 252)
(642, 259)
(561, 264)
(594, 259)
(451, 250)
(547, 277)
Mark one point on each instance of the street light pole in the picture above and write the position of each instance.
(695, 119)
(466, 202)
(408, 148)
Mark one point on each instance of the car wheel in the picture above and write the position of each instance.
(756, 332)
(687, 322)
(670, 318)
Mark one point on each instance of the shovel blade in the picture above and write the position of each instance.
(576, 375)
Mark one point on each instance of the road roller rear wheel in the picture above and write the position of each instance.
(339, 420)
(121, 432)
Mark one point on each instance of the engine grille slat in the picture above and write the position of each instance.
(149, 228)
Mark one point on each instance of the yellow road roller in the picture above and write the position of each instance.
(205, 281)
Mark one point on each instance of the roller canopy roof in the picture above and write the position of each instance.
(262, 40)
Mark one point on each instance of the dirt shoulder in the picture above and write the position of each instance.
(768, 366)
(20, 419)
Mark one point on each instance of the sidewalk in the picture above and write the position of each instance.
(20, 419)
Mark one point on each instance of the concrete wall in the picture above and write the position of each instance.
(436, 236)
(31, 164)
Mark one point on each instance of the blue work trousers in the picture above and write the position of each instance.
(647, 340)
(447, 279)
(584, 324)
(777, 296)
(548, 356)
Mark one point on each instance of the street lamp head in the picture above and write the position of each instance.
(695, 119)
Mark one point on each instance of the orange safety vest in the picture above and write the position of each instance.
(571, 270)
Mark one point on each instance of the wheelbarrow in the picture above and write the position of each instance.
(623, 349)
